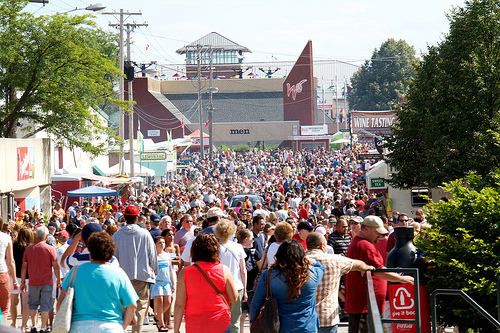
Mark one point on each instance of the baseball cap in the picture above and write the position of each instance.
(376, 223)
(321, 230)
(131, 211)
(63, 234)
(215, 212)
(89, 229)
(155, 218)
(305, 225)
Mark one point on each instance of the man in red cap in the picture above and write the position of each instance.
(136, 252)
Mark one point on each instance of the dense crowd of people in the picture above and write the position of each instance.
(305, 222)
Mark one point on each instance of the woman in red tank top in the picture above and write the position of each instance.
(205, 309)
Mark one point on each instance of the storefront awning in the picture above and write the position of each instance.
(97, 171)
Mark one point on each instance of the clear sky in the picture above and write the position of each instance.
(342, 30)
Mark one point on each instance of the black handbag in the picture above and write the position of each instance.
(268, 319)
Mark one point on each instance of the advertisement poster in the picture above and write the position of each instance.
(25, 163)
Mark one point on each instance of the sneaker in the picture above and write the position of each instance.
(33, 330)
(146, 320)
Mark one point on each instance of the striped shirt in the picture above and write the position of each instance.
(339, 243)
(327, 293)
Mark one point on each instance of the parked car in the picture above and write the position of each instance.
(254, 198)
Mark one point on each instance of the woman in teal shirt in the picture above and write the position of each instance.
(105, 300)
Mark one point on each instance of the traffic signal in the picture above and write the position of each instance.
(128, 70)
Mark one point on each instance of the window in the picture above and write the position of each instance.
(417, 199)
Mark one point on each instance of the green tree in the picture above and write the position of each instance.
(463, 248)
(447, 127)
(380, 82)
(53, 71)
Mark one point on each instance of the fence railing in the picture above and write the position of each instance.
(458, 292)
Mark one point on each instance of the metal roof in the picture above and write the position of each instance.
(214, 40)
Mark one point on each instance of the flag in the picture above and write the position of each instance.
(182, 123)
(169, 138)
(140, 141)
(341, 115)
(147, 47)
(206, 125)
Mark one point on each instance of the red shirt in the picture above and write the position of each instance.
(304, 213)
(356, 294)
(40, 257)
(203, 304)
(301, 241)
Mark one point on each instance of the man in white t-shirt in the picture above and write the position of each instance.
(260, 211)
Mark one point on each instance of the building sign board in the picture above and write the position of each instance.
(153, 132)
(314, 130)
(377, 183)
(153, 156)
(186, 158)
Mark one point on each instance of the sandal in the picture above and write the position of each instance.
(162, 329)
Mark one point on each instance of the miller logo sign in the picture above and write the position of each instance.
(295, 89)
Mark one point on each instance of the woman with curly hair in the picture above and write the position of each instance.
(294, 279)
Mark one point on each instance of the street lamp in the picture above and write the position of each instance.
(94, 8)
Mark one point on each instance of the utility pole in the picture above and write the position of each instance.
(323, 103)
(130, 27)
(198, 58)
(211, 107)
(121, 132)
(336, 112)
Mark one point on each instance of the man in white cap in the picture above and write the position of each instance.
(214, 215)
(362, 248)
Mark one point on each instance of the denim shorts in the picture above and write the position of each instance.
(41, 296)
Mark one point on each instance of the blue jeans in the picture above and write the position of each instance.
(328, 329)
(229, 329)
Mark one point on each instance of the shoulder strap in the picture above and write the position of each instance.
(211, 283)
(269, 291)
(264, 260)
(73, 277)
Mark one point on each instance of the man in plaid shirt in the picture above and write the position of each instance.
(327, 305)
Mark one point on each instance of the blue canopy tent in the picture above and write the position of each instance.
(92, 191)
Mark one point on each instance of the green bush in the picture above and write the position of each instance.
(463, 248)
(223, 148)
(240, 148)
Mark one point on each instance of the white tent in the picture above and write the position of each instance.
(138, 170)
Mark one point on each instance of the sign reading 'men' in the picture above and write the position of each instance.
(154, 156)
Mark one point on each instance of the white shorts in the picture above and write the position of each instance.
(95, 326)
(18, 291)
